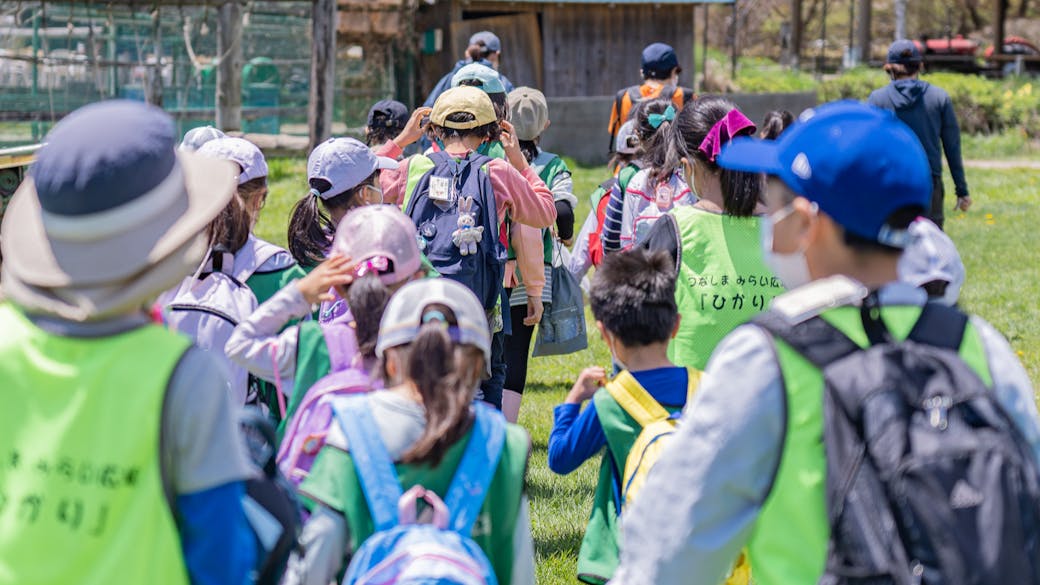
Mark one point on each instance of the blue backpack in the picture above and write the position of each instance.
(453, 207)
(401, 551)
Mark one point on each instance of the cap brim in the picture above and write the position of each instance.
(751, 155)
(383, 163)
(43, 261)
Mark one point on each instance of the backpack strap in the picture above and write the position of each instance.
(468, 489)
(940, 326)
(252, 256)
(814, 339)
(374, 466)
(342, 343)
(638, 403)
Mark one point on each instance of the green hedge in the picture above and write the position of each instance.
(983, 105)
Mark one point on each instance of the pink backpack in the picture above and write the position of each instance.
(305, 435)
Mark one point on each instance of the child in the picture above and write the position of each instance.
(774, 124)
(530, 117)
(463, 119)
(376, 253)
(120, 445)
(589, 246)
(434, 342)
(386, 119)
(724, 278)
(615, 207)
(342, 174)
(659, 187)
(633, 301)
(233, 229)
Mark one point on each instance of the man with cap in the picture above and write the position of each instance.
(484, 48)
(928, 111)
(747, 467)
(121, 458)
(660, 70)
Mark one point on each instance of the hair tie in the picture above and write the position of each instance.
(434, 315)
(733, 124)
(315, 192)
(657, 119)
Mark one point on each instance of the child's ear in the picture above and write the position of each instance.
(602, 330)
(547, 124)
(675, 328)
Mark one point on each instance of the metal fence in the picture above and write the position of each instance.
(58, 56)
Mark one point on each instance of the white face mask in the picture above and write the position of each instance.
(792, 269)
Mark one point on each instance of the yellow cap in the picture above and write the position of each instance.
(463, 99)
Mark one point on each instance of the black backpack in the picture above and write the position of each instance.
(928, 479)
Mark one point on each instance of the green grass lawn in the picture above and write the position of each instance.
(996, 240)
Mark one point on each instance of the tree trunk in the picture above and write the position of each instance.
(323, 69)
(1023, 8)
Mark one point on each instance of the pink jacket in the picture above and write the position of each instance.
(524, 196)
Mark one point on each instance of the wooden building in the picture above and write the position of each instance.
(567, 48)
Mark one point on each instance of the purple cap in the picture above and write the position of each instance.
(238, 150)
(345, 163)
(380, 239)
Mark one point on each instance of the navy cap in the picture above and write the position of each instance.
(78, 174)
(489, 39)
(904, 52)
(388, 114)
(858, 163)
(659, 58)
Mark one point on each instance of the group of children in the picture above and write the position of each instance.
(423, 277)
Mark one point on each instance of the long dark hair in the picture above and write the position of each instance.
(775, 122)
(367, 298)
(740, 190)
(310, 225)
(230, 230)
(655, 141)
(446, 376)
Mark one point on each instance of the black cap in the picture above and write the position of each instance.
(388, 114)
(659, 60)
(904, 52)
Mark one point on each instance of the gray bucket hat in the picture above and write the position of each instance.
(110, 212)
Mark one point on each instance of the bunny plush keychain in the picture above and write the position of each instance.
(469, 233)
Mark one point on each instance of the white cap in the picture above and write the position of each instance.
(932, 256)
(241, 151)
(196, 137)
(403, 316)
(627, 142)
(345, 163)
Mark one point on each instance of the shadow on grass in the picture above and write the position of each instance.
(565, 543)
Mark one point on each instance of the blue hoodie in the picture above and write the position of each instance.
(928, 111)
(445, 83)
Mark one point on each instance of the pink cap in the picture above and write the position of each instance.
(381, 239)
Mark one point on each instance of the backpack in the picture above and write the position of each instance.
(596, 251)
(208, 305)
(657, 424)
(401, 550)
(453, 207)
(270, 504)
(306, 433)
(928, 479)
(626, 98)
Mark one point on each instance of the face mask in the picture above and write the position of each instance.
(618, 364)
(792, 269)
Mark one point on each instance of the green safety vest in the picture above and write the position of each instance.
(600, 548)
(312, 364)
(723, 281)
(333, 481)
(789, 540)
(81, 490)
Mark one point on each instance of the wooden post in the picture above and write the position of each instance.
(323, 70)
(733, 42)
(863, 31)
(704, 49)
(794, 58)
(153, 89)
(1000, 15)
(229, 69)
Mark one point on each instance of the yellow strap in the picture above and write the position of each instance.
(638, 403)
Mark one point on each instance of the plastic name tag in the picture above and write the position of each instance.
(440, 189)
(805, 302)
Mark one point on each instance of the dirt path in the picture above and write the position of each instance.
(1002, 164)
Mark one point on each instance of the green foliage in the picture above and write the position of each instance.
(758, 75)
(855, 84)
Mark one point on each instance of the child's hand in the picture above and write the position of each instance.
(535, 308)
(589, 380)
(512, 147)
(413, 129)
(337, 270)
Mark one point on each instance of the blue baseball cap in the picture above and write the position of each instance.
(904, 52)
(659, 59)
(480, 76)
(488, 38)
(858, 163)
